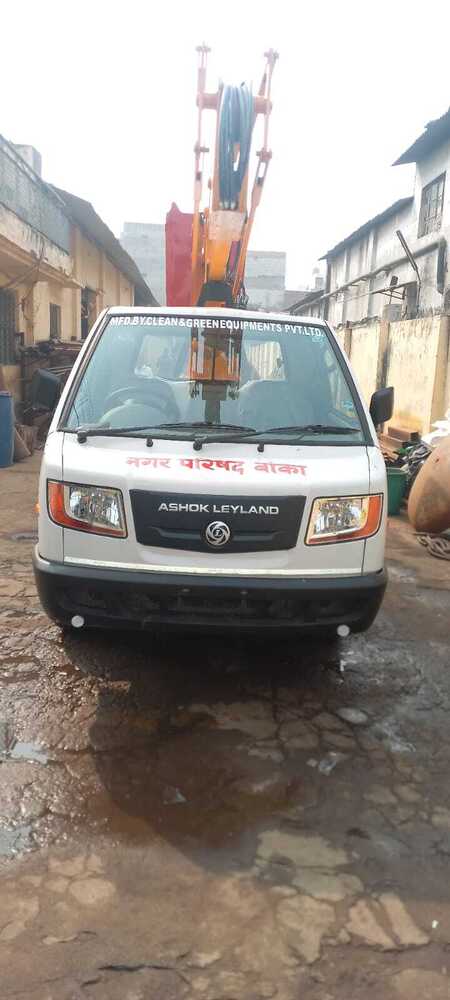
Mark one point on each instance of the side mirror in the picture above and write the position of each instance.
(382, 405)
(45, 390)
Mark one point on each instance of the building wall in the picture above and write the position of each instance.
(93, 270)
(446, 376)
(438, 162)
(28, 198)
(364, 350)
(46, 260)
(265, 272)
(40, 270)
(34, 294)
(18, 238)
(381, 246)
(38, 310)
(411, 355)
(146, 244)
(414, 368)
(265, 279)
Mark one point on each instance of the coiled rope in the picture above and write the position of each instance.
(437, 545)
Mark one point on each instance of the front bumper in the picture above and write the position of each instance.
(140, 600)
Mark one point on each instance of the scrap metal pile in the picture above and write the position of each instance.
(409, 458)
(31, 424)
(426, 463)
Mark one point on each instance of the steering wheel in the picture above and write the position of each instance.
(156, 394)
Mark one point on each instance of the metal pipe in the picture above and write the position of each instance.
(366, 277)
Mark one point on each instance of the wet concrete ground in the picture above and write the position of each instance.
(223, 821)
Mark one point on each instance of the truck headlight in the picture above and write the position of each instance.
(342, 519)
(97, 509)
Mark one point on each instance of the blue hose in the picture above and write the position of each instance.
(235, 127)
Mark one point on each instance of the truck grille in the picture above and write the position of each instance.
(182, 521)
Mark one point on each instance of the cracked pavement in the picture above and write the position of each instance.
(223, 820)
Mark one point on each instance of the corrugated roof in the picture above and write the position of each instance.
(84, 215)
(371, 224)
(436, 132)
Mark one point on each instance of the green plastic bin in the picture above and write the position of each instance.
(396, 480)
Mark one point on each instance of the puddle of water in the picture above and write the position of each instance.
(12, 749)
(29, 752)
(14, 841)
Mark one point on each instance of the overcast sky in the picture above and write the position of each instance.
(106, 92)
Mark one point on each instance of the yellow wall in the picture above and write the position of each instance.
(59, 280)
(364, 357)
(38, 305)
(24, 313)
(413, 357)
(94, 270)
(110, 284)
(86, 261)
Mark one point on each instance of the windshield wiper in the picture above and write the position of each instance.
(200, 439)
(151, 430)
(298, 431)
(207, 424)
(103, 430)
(237, 431)
(311, 429)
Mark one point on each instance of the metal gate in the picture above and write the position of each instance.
(7, 328)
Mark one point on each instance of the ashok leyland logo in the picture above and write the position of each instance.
(217, 534)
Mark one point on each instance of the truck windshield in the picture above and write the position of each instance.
(154, 370)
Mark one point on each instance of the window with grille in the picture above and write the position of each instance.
(431, 206)
(55, 321)
(7, 328)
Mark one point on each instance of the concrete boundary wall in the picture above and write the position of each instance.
(411, 355)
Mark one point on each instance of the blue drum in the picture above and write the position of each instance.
(6, 429)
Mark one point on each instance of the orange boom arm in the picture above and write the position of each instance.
(221, 231)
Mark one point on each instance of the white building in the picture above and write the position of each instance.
(146, 244)
(265, 271)
(370, 270)
(265, 279)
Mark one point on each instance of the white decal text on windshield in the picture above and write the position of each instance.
(229, 325)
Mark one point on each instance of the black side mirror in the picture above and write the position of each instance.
(45, 390)
(382, 405)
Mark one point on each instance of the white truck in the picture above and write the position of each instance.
(208, 470)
